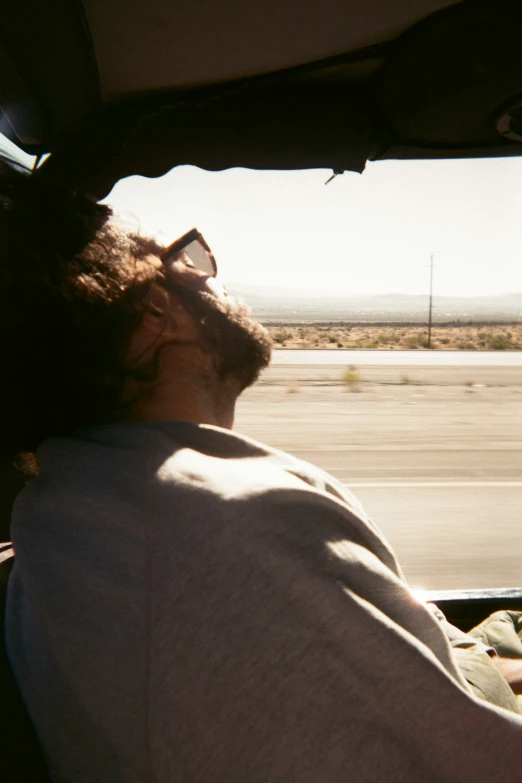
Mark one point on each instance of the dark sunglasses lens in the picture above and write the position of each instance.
(201, 257)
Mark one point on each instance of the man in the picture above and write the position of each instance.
(188, 604)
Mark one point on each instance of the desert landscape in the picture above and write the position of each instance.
(450, 336)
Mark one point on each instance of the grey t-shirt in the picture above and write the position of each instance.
(188, 605)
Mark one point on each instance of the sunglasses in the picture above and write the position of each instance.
(196, 249)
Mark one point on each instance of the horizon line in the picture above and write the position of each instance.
(300, 292)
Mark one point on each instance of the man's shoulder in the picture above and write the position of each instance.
(161, 470)
(238, 459)
(234, 487)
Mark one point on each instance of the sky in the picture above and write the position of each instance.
(361, 234)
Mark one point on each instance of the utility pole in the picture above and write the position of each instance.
(431, 302)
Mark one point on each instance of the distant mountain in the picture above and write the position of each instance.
(274, 303)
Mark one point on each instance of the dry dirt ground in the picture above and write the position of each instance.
(444, 337)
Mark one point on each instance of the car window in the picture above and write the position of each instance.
(12, 152)
(423, 427)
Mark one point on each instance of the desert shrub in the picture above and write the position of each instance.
(281, 336)
(365, 344)
(499, 342)
(339, 345)
(389, 338)
(332, 338)
(351, 379)
(416, 341)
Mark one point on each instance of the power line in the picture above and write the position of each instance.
(431, 302)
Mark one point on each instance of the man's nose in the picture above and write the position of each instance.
(216, 287)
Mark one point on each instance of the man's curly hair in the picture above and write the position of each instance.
(72, 291)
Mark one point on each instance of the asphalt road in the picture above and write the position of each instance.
(434, 454)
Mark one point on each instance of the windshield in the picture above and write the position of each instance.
(421, 423)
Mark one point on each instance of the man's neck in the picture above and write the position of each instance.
(187, 391)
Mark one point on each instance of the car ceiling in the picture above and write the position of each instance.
(117, 87)
(189, 43)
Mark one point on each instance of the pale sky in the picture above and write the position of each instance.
(369, 233)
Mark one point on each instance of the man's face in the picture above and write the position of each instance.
(239, 346)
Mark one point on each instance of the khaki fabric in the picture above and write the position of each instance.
(503, 632)
(498, 634)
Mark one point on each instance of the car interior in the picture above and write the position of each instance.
(96, 92)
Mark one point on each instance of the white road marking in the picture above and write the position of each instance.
(427, 447)
(436, 484)
(336, 356)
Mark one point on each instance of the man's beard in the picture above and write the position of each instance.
(240, 347)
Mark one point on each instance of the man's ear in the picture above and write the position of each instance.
(165, 320)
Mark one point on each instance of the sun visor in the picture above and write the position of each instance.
(312, 128)
(454, 82)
